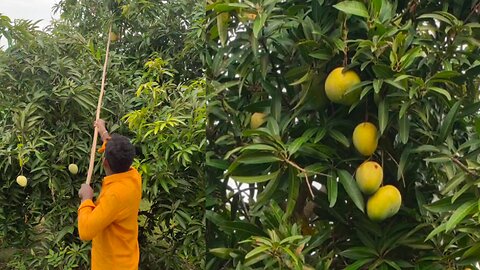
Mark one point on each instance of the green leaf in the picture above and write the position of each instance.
(256, 251)
(447, 124)
(221, 7)
(438, 159)
(269, 190)
(223, 253)
(293, 256)
(291, 239)
(255, 179)
(351, 188)
(393, 264)
(403, 161)
(463, 211)
(321, 55)
(315, 168)
(395, 84)
(377, 85)
(332, 188)
(222, 26)
(304, 78)
(357, 253)
(353, 7)
(293, 189)
(404, 108)
(296, 73)
(256, 259)
(382, 71)
(233, 227)
(272, 125)
(426, 148)
(382, 116)
(257, 158)
(298, 142)
(445, 74)
(436, 16)
(354, 88)
(441, 91)
(472, 252)
(454, 182)
(461, 191)
(404, 128)
(258, 24)
(219, 87)
(357, 264)
(446, 205)
(217, 163)
(410, 57)
(470, 143)
(469, 109)
(66, 230)
(436, 231)
(339, 137)
(376, 5)
(259, 147)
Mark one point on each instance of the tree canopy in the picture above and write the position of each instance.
(155, 94)
(283, 195)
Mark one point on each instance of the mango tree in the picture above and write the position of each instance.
(282, 155)
(154, 94)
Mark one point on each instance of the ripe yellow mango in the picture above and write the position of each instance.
(365, 138)
(369, 177)
(384, 203)
(337, 84)
(257, 119)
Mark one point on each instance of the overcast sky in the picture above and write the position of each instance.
(28, 9)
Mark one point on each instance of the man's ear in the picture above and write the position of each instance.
(105, 163)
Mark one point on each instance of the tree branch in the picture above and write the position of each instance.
(464, 167)
(304, 172)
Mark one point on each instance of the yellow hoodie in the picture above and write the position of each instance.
(112, 222)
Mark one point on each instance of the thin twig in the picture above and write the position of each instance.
(243, 206)
(475, 9)
(345, 36)
(366, 110)
(465, 168)
(305, 173)
(398, 165)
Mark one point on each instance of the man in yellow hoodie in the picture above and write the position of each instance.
(112, 221)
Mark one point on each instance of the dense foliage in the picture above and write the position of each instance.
(418, 61)
(155, 94)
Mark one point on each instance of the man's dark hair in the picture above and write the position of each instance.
(119, 153)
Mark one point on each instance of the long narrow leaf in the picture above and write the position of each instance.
(353, 7)
(352, 189)
(255, 179)
(459, 214)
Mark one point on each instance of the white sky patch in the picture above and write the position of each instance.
(33, 10)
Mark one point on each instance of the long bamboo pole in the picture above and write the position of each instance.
(93, 150)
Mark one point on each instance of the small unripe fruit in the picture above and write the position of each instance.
(73, 168)
(22, 180)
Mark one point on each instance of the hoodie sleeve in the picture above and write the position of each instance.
(94, 219)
